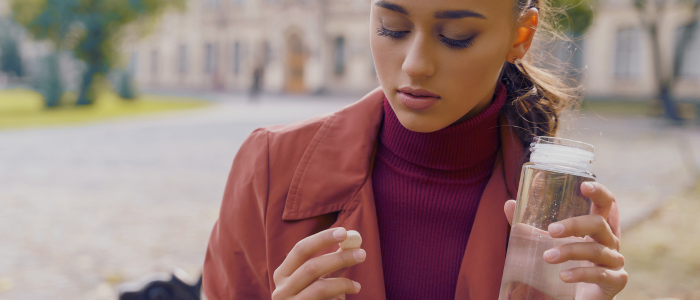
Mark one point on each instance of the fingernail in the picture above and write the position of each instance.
(565, 275)
(339, 233)
(551, 254)
(589, 186)
(359, 254)
(556, 228)
(357, 285)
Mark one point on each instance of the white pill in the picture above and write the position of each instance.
(353, 241)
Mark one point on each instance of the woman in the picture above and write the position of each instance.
(422, 167)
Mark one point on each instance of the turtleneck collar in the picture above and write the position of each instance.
(460, 146)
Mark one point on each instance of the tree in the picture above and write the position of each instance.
(651, 14)
(573, 16)
(91, 29)
(10, 60)
(48, 82)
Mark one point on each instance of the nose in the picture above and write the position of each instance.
(418, 62)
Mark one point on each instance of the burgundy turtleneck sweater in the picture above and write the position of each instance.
(427, 187)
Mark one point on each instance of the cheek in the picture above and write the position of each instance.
(477, 68)
(470, 76)
(387, 62)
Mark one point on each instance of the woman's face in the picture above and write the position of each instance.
(438, 61)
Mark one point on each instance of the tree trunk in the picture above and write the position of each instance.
(667, 101)
(86, 96)
(664, 84)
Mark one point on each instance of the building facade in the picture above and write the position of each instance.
(618, 54)
(323, 45)
(309, 46)
(301, 46)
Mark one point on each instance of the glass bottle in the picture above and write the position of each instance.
(549, 191)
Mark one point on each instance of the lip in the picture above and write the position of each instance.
(417, 99)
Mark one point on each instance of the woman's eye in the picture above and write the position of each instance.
(453, 44)
(381, 31)
(457, 44)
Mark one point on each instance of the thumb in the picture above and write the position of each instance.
(509, 209)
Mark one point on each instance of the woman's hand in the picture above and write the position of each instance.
(302, 277)
(605, 274)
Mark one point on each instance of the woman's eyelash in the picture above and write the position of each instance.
(381, 31)
(457, 44)
(454, 44)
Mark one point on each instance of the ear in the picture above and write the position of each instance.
(527, 26)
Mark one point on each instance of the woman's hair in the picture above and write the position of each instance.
(538, 90)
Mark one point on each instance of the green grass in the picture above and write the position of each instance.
(21, 108)
(617, 107)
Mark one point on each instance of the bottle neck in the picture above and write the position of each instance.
(561, 155)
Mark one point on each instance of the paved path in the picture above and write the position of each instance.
(85, 208)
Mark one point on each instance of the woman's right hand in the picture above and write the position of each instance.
(302, 276)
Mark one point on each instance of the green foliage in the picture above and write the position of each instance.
(10, 61)
(573, 16)
(92, 29)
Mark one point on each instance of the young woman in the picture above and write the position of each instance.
(422, 167)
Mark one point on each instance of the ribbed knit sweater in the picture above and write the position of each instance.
(427, 187)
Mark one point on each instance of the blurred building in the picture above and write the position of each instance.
(306, 46)
(617, 53)
(302, 46)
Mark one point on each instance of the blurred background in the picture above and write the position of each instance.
(119, 120)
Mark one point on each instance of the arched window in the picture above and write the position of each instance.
(690, 63)
(236, 57)
(183, 63)
(339, 56)
(628, 53)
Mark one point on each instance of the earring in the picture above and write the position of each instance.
(516, 60)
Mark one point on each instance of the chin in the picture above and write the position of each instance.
(420, 121)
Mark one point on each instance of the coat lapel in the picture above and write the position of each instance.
(334, 166)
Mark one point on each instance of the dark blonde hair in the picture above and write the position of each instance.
(539, 87)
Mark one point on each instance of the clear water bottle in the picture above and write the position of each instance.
(550, 191)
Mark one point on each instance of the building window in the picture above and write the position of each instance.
(690, 64)
(339, 56)
(154, 62)
(628, 53)
(183, 63)
(236, 57)
(212, 57)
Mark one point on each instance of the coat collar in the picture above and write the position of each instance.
(321, 185)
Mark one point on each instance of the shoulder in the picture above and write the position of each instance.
(283, 139)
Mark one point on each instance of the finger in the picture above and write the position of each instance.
(509, 209)
(316, 267)
(307, 248)
(593, 252)
(594, 226)
(329, 288)
(601, 197)
(610, 282)
(338, 273)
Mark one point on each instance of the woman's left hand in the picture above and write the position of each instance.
(606, 275)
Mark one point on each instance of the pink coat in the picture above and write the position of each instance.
(291, 181)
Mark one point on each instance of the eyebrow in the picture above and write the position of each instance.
(443, 14)
(458, 14)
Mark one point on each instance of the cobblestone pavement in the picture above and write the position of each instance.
(83, 209)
